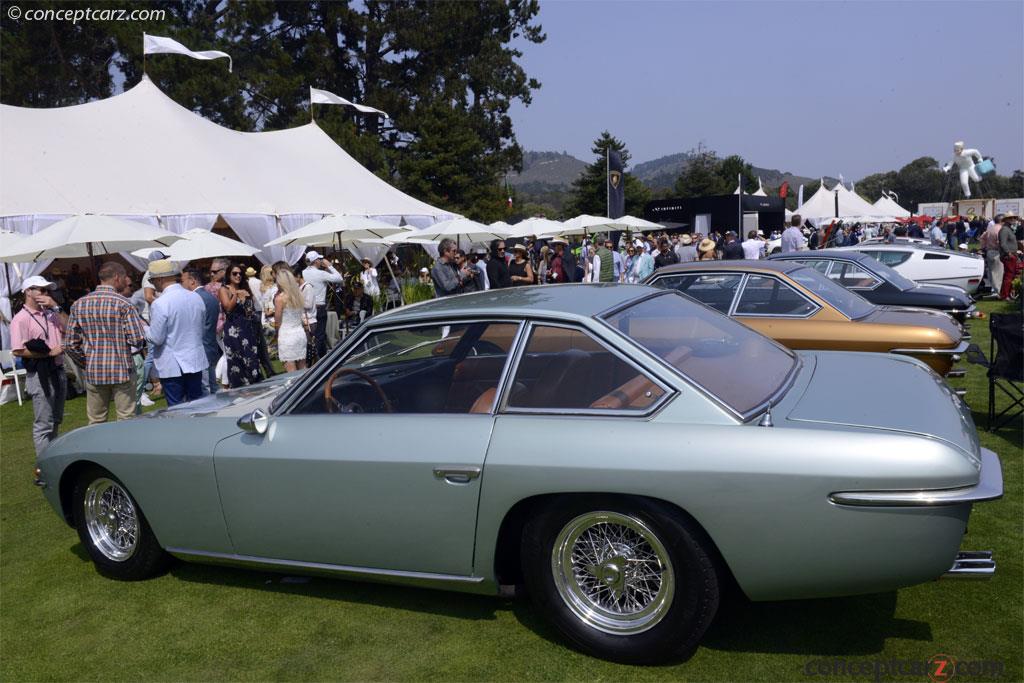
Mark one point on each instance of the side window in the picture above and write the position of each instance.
(763, 295)
(853, 276)
(936, 257)
(567, 369)
(422, 369)
(889, 258)
(716, 290)
(820, 265)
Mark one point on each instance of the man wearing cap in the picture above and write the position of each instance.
(37, 337)
(102, 329)
(176, 332)
(1008, 254)
(318, 273)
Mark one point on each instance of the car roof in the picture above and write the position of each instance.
(776, 266)
(570, 300)
(822, 253)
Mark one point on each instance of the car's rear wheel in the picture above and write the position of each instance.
(624, 579)
(113, 529)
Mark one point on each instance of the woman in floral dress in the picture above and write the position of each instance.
(241, 327)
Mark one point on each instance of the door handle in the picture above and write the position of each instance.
(454, 474)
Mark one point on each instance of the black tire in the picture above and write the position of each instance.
(682, 619)
(144, 559)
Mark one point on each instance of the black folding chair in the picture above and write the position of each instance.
(1006, 369)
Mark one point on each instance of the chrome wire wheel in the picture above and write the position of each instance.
(111, 519)
(612, 572)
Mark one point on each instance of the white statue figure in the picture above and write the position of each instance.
(964, 160)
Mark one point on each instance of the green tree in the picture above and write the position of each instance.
(589, 193)
(699, 177)
(730, 169)
(871, 187)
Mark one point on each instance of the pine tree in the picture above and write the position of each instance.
(589, 193)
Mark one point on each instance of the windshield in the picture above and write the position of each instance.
(709, 348)
(850, 304)
(889, 274)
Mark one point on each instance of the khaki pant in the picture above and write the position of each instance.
(98, 397)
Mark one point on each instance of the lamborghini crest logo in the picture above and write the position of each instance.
(615, 177)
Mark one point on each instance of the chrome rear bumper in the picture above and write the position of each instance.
(972, 564)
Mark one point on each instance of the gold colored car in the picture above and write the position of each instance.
(802, 309)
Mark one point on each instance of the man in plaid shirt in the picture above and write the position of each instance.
(102, 328)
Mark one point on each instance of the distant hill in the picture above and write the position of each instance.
(545, 171)
(547, 176)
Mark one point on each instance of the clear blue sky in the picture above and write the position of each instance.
(815, 88)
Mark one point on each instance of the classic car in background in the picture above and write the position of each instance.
(880, 284)
(621, 450)
(925, 264)
(797, 306)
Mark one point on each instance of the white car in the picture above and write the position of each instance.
(926, 264)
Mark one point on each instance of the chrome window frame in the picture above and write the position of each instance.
(670, 392)
(743, 287)
(853, 262)
(759, 409)
(315, 377)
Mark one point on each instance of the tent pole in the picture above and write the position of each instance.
(92, 261)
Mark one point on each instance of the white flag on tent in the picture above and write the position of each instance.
(317, 96)
(159, 44)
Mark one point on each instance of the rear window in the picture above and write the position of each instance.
(709, 348)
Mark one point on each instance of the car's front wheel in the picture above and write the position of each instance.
(113, 529)
(628, 580)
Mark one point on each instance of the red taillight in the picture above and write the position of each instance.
(974, 281)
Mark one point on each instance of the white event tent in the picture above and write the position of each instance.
(821, 207)
(887, 207)
(143, 157)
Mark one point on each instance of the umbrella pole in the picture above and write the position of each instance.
(7, 277)
(92, 261)
(387, 262)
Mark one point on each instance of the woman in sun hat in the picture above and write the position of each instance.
(520, 271)
(707, 250)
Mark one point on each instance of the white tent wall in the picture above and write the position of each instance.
(25, 225)
(258, 229)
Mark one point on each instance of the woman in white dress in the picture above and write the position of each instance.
(369, 279)
(290, 322)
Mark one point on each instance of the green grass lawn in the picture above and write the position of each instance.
(60, 620)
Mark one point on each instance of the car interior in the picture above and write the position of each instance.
(457, 369)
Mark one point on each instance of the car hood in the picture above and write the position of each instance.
(903, 395)
(230, 402)
(954, 295)
(924, 317)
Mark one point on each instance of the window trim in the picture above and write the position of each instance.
(504, 409)
(314, 379)
(796, 288)
(852, 262)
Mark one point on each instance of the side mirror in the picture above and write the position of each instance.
(255, 422)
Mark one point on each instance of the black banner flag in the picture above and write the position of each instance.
(616, 186)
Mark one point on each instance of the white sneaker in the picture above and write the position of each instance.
(146, 401)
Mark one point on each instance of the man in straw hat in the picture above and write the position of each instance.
(102, 329)
(686, 250)
(176, 322)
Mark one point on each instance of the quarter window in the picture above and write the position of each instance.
(716, 290)
(763, 295)
(853, 276)
(889, 258)
(567, 369)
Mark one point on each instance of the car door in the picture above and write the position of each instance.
(379, 465)
(778, 310)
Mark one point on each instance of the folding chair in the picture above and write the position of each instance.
(14, 372)
(1006, 369)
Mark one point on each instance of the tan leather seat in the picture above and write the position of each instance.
(484, 402)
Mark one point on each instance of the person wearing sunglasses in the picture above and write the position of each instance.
(497, 267)
(241, 329)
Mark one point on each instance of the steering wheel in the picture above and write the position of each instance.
(334, 406)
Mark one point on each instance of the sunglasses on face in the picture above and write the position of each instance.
(237, 273)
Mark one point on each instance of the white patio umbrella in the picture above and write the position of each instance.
(87, 235)
(329, 230)
(639, 224)
(201, 244)
(541, 227)
(584, 224)
(459, 229)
